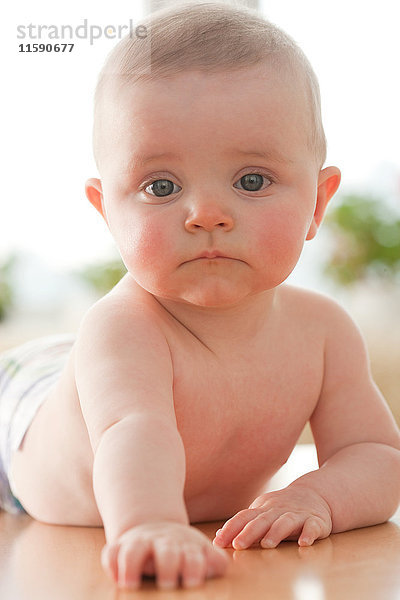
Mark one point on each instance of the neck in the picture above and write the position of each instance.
(218, 328)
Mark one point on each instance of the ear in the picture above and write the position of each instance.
(94, 193)
(328, 183)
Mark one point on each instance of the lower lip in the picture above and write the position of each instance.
(212, 258)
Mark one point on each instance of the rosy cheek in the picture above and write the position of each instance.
(279, 238)
(149, 244)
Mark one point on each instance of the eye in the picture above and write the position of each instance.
(252, 182)
(161, 187)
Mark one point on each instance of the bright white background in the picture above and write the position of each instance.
(46, 114)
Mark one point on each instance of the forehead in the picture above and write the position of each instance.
(259, 107)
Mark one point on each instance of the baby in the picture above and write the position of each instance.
(188, 384)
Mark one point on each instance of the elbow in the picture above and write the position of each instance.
(137, 422)
(396, 479)
(390, 483)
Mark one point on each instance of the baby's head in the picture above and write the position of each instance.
(213, 37)
(218, 98)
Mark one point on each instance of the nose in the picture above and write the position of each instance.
(208, 217)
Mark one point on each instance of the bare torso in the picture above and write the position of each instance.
(239, 415)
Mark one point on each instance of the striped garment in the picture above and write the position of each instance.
(27, 373)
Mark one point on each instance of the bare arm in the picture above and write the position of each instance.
(124, 378)
(360, 484)
(357, 439)
(358, 445)
(139, 474)
(124, 381)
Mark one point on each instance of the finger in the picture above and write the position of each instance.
(149, 567)
(194, 567)
(233, 527)
(253, 532)
(217, 561)
(109, 560)
(167, 558)
(312, 530)
(259, 501)
(131, 562)
(286, 525)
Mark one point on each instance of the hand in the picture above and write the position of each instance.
(292, 513)
(166, 549)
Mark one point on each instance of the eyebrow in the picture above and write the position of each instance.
(271, 156)
(274, 156)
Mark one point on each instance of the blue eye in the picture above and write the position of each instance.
(252, 182)
(161, 188)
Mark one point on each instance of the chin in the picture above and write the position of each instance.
(213, 298)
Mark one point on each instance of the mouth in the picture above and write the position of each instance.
(210, 258)
(213, 256)
(210, 255)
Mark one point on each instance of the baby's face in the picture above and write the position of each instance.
(210, 162)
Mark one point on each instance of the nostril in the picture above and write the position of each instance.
(208, 226)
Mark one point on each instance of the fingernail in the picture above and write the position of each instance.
(166, 585)
(128, 583)
(268, 544)
(305, 542)
(239, 545)
(192, 583)
(218, 532)
(218, 542)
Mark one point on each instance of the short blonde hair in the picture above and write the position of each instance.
(210, 36)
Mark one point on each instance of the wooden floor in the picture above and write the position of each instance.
(43, 562)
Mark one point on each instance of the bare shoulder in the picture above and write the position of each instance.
(345, 350)
(126, 310)
(312, 308)
(124, 326)
(350, 408)
(304, 298)
(122, 354)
